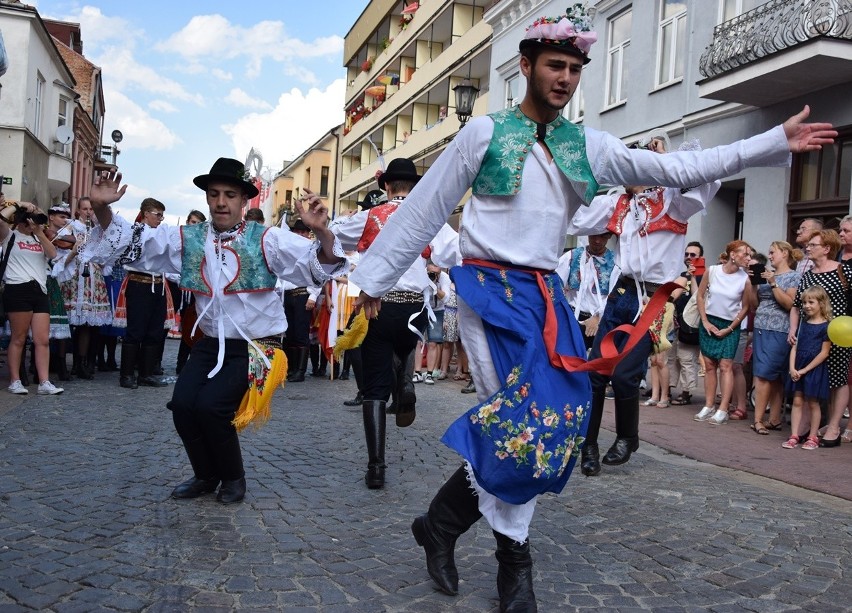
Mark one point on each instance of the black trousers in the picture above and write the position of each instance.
(298, 320)
(202, 407)
(387, 335)
(146, 313)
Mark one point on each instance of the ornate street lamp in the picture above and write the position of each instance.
(466, 94)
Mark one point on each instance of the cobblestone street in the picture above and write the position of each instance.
(86, 522)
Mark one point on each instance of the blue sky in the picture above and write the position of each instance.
(187, 82)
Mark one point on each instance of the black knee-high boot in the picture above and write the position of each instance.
(374, 431)
(127, 375)
(405, 397)
(626, 431)
(300, 359)
(590, 457)
(453, 510)
(514, 576)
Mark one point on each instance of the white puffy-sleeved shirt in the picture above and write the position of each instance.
(656, 257)
(529, 228)
(246, 315)
(444, 245)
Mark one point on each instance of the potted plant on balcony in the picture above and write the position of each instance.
(367, 64)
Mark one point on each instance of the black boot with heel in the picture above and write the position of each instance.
(452, 512)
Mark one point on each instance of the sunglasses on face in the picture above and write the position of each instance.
(690, 255)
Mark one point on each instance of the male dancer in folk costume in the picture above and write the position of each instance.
(588, 274)
(231, 266)
(395, 335)
(650, 224)
(523, 438)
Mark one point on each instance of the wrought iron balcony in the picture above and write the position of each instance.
(773, 27)
(779, 51)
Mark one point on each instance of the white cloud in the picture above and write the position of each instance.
(238, 97)
(297, 122)
(141, 131)
(162, 106)
(212, 38)
(121, 71)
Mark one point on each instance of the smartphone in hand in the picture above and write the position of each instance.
(700, 267)
(756, 273)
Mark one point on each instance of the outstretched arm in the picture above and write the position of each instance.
(105, 190)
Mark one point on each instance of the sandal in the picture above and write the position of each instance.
(738, 414)
(663, 404)
(649, 403)
(791, 443)
(684, 399)
(846, 437)
(778, 426)
(811, 443)
(460, 376)
(759, 428)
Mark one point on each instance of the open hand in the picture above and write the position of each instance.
(105, 189)
(312, 210)
(803, 137)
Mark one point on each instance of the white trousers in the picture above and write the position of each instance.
(512, 520)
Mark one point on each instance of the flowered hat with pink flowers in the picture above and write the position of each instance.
(570, 33)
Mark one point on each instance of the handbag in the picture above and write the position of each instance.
(3, 264)
(691, 316)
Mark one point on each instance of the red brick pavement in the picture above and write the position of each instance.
(735, 445)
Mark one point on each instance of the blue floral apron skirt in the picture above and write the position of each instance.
(525, 439)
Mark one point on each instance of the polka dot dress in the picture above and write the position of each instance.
(838, 358)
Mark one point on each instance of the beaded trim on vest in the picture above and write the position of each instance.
(253, 274)
(376, 219)
(652, 202)
(513, 139)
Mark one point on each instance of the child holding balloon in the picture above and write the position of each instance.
(808, 369)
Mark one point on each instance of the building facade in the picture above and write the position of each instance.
(314, 169)
(89, 108)
(715, 71)
(403, 59)
(37, 100)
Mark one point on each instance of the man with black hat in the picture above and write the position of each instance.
(387, 352)
(232, 267)
(530, 170)
(352, 357)
(298, 307)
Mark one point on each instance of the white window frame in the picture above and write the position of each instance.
(574, 111)
(62, 114)
(738, 10)
(677, 47)
(511, 98)
(39, 100)
(615, 61)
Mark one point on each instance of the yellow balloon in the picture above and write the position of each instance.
(840, 331)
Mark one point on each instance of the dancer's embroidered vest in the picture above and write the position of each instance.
(653, 203)
(513, 138)
(253, 273)
(604, 269)
(376, 219)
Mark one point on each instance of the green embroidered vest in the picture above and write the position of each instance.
(253, 276)
(513, 138)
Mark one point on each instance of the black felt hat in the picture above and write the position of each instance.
(373, 198)
(399, 169)
(230, 171)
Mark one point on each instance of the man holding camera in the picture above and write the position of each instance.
(650, 223)
(685, 355)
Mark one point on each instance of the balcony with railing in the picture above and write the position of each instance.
(778, 51)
